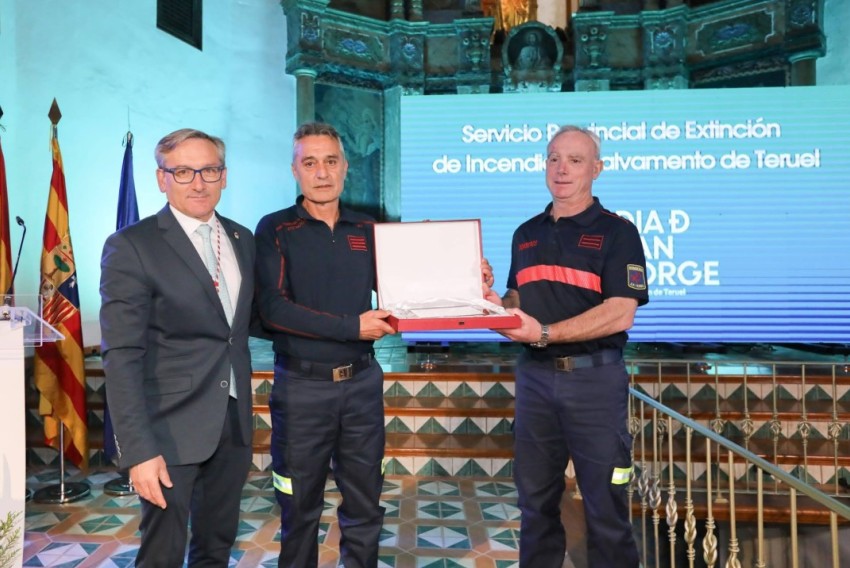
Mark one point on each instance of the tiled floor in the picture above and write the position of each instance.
(430, 522)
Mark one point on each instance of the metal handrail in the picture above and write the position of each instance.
(801, 486)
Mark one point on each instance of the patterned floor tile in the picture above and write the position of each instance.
(424, 517)
(260, 482)
(498, 511)
(440, 510)
(435, 536)
(269, 560)
(324, 531)
(248, 528)
(391, 487)
(389, 536)
(502, 538)
(330, 505)
(258, 504)
(130, 501)
(101, 525)
(125, 557)
(495, 488)
(432, 562)
(42, 522)
(62, 554)
(438, 488)
(392, 508)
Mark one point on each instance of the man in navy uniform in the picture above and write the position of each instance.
(315, 276)
(577, 277)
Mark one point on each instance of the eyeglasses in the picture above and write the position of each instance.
(187, 175)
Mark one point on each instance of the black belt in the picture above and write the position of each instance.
(598, 359)
(324, 371)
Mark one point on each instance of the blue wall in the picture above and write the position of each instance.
(106, 63)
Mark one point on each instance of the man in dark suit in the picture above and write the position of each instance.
(176, 293)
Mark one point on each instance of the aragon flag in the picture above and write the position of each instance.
(5, 239)
(59, 369)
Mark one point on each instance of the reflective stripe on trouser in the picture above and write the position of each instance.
(621, 475)
(282, 484)
(317, 425)
(579, 416)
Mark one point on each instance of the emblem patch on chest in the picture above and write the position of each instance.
(591, 241)
(357, 243)
(637, 277)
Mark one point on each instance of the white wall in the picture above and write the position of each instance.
(104, 61)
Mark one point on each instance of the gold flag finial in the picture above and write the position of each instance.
(54, 115)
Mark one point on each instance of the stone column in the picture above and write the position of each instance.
(391, 182)
(415, 10)
(397, 10)
(804, 68)
(305, 95)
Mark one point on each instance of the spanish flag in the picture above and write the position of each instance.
(5, 240)
(59, 369)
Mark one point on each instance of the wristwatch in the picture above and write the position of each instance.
(544, 337)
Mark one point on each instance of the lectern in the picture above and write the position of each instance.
(20, 327)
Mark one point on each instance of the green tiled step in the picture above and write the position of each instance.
(462, 417)
(429, 445)
(400, 385)
(432, 454)
(449, 406)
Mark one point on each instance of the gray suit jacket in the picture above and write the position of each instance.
(167, 347)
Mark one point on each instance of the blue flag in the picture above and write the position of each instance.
(128, 213)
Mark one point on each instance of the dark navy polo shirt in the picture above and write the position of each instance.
(564, 268)
(314, 282)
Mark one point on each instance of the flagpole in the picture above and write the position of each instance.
(128, 213)
(64, 492)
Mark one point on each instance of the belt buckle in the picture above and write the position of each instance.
(565, 364)
(343, 373)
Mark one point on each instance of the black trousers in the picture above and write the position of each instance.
(317, 424)
(209, 494)
(579, 416)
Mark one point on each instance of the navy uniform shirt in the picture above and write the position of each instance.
(314, 282)
(564, 268)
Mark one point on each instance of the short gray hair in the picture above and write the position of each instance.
(316, 129)
(586, 131)
(170, 141)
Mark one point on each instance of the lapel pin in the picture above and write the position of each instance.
(235, 234)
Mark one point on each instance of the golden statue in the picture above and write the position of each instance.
(510, 13)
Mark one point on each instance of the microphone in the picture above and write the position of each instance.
(20, 248)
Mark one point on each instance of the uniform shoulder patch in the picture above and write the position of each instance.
(637, 276)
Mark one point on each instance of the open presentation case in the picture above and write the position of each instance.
(429, 277)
